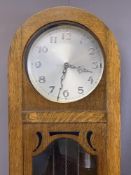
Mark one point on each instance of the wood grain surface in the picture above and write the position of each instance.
(63, 117)
(15, 107)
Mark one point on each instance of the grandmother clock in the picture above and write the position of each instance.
(64, 108)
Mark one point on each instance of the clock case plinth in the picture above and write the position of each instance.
(98, 113)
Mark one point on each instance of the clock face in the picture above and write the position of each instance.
(65, 63)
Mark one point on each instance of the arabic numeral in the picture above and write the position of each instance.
(91, 51)
(53, 39)
(42, 79)
(65, 93)
(80, 90)
(42, 49)
(37, 64)
(66, 36)
(51, 88)
(100, 65)
(96, 65)
(90, 79)
(45, 49)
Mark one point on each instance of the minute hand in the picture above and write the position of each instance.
(80, 69)
(62, 79)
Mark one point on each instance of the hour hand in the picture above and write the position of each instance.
(80, 69)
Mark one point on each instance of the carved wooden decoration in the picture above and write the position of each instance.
(39, 127)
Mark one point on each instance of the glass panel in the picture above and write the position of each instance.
(64, 157)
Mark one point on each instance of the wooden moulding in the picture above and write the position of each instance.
(27, 107)
(63, 117)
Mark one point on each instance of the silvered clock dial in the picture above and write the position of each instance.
(65, 62)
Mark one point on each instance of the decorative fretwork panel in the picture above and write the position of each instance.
(54, 150)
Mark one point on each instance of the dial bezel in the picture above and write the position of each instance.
(46, 28)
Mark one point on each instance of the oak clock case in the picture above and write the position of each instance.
(67, 127)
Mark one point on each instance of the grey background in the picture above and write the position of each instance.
(115, 13)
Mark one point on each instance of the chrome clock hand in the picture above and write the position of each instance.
(80, 69)
(66, 65)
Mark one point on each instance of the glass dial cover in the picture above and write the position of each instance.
(65, 63)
